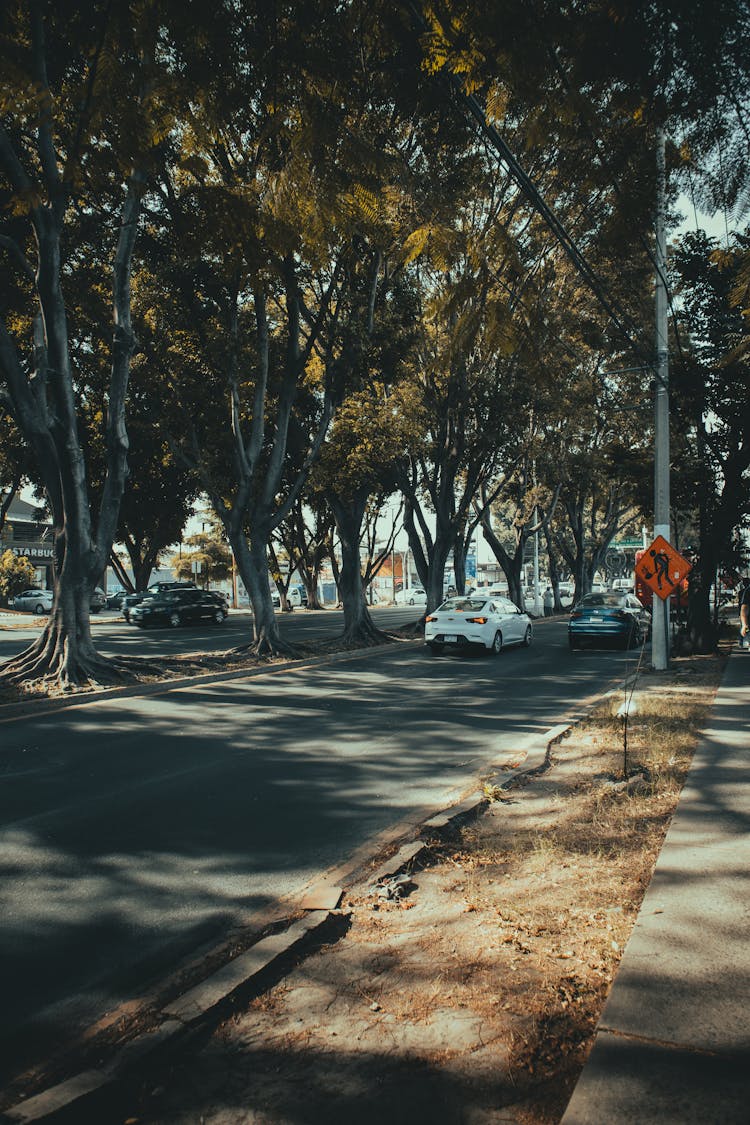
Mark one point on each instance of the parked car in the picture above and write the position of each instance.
(34, 600)
(98, 600)
(452, 592)
(477, 622)
(615, 617)
(115, 596)
(296, 595)
(415, 595)
(177, 607)
(131, 600)
(566, 591)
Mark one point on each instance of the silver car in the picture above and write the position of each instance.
(98, 600)
(34, 600)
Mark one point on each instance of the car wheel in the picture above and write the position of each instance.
(527, 637)
(497, 643)
(435, 649)
(219, 616)
(94, 609)
(38, 609)
(174, 619)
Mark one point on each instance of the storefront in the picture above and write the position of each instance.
(27, 534)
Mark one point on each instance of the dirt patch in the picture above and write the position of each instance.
(472, 999)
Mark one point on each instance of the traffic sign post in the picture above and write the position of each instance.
(661, 568)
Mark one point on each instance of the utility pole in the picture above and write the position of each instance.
(660, 620)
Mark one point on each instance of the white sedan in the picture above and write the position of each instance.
(413, 596)
(466, 622)
(35, 600)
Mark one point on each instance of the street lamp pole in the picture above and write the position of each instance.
(660, 621)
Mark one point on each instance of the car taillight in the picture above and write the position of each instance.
(576, 613)
(430, 619)
(477, 620)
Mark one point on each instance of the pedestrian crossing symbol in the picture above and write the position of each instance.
(661, 568)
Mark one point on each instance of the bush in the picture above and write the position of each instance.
(16, 574)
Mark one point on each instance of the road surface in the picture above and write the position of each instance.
(135, 830)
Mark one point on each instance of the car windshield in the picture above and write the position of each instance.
(608, 601)
(463, 605)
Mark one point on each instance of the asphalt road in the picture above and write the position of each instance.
(114, 636)
(135, 830)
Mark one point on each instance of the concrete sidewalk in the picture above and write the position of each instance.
(673, 1041)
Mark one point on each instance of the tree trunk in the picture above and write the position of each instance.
(436, 572)
(358, 625)
(702, 635)
(142, 564)
(459, 564)
(252, 563)
(512, 564)
(120, 572)
(63, 656)
(554, 570)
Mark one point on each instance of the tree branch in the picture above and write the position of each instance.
(18, 257)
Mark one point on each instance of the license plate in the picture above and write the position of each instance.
(451, 639)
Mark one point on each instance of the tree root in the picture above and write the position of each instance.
(52, 669)
(265, 648)
(364, 636)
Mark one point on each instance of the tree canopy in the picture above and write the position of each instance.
(312, 254)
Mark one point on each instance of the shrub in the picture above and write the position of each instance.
(16, 574)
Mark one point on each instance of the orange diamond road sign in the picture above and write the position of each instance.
(661, 568)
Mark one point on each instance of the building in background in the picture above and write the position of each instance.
(27, 532)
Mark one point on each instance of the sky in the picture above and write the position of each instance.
(714, 225)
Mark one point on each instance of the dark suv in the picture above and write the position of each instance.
(131, 600)
(180, 606)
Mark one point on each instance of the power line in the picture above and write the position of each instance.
(596, 143)
(630, 331)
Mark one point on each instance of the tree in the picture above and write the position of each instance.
(78, 124)
(210, 552)
(286, 250)
(365, 439)
(711, 392)
(590, 464)
(476, 379)
(303, 540)
(509, 522)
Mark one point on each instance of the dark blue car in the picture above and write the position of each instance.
(613, 618)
